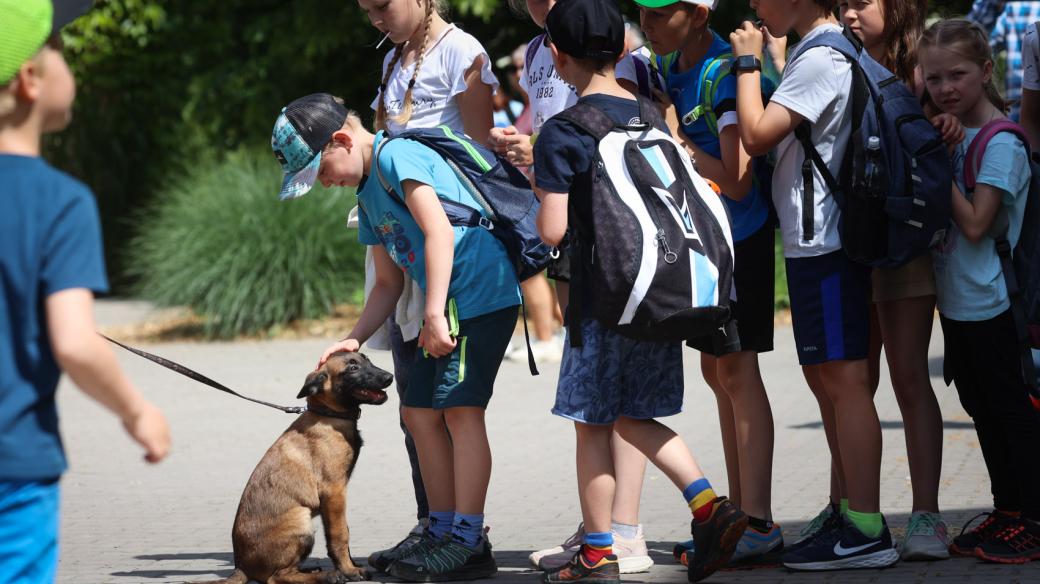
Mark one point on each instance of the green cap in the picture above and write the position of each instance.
(711, 4)
(26, 24)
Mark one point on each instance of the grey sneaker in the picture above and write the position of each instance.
(632, 555)
(382, 559)
(926, 538)
(445, 561)
(565, 551)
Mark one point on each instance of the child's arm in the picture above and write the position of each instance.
(475, 103)
(733, 171)
(380, 305)
(761, 127)
(89, 361)
(426, 208)
(516, 147)
(975, 216)
(552, 216)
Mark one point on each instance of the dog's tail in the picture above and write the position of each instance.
(239, 577)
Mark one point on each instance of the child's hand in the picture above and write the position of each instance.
(148, 427)
(776, 47)
(950, 128)
(497, 138)
(747, 40)
(434, 337)
(348, 345)
(517, 149)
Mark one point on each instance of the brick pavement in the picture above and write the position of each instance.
(126, 523)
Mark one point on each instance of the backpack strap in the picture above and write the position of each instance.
(712, 74)
(532, 50)
(977, 148)
(589, 118)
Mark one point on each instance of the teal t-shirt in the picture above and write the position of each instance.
(967, 275)
(482, 277)
(749, 214)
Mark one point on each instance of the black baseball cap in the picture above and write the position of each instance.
(301, 132)
(65, 11)
(586, 29)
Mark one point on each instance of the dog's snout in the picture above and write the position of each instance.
(385, 379)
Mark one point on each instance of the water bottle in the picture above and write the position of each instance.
(875, 171)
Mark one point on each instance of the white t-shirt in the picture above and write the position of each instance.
(1031, 60)
(817, 86)
(441, 78)
(549, 94)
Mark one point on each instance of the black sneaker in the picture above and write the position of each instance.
(844, 549)
(1017, 543)
(607, 571)
(445, 561)
(382, 559)
(823, 524)
(964, 544)
(715, 539)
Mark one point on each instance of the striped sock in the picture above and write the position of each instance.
(598, 545)
(466, 529)
(699, 497)
(440, 523)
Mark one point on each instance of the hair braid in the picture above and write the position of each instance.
(381, 108)
(406, 105)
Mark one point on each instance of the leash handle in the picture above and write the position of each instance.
(200, 377)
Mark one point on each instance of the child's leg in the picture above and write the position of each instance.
(727, 426)
(403, 353)
(906, 326)
(837, 488)
(434, 447)
(629, 469)
(471, 455)
(595, 475)
(753, 430)
(663, 447)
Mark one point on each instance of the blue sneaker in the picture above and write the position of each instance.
(844, 549)
(755, 544)
(824, 523)
(681, 549)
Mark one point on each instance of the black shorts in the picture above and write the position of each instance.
(559, 269)
(754, 273)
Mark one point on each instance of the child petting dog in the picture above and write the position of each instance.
(472, 295)
(51, 266)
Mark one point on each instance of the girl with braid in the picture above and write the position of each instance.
(435, 75)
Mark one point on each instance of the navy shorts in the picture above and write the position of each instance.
(612, 376)
(466, 376)
(830, 308)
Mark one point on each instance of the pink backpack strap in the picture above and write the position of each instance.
(977, 148)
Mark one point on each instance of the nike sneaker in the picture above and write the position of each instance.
(844, 549)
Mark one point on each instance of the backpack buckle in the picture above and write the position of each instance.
(486, 223)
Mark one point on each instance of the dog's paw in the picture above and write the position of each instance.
(351, 575)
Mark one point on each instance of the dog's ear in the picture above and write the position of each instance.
(312, 386)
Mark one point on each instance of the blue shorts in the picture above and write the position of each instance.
(612, 376)
(830, 308)
(28, 531)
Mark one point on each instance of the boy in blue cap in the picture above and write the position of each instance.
(51, 266)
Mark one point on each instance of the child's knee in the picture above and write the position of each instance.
(419, 419)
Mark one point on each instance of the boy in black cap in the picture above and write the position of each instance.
(613, 382)
(51, 265)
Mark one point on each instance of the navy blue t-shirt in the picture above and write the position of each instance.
(51, 241)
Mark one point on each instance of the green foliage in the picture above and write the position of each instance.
(781, 298)
(220, 241)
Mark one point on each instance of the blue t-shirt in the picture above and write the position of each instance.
(51, 241)
(482, 276)
(747, 215)
(968, 277)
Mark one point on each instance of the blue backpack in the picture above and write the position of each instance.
(893, 188)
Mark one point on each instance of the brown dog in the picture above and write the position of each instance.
(303, 475)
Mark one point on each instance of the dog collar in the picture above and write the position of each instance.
(352, 415)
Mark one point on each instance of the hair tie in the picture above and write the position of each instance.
(411, 83)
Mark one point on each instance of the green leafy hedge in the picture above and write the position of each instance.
(220, 242)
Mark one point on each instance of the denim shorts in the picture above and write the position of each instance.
(611, 376)
(28, 531)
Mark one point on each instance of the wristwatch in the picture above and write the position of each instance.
(745, 63)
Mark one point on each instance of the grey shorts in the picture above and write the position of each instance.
(611, 376)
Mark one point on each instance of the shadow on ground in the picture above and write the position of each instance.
(890, 425)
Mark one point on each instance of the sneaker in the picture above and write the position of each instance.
(822, 525)
(682, 550)
(755, 544)
(382, 559)
(844, 549)
(1017, 543)
(565, 551)
(964, 544)
(548, 351)
(715, 539)
(576, 570)
(926, 538)
(447, 560)
(633, 556)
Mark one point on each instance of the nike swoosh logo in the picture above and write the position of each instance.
(843, 551)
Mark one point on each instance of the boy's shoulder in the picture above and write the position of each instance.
(34, 177)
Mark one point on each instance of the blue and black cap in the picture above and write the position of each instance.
(302, 131)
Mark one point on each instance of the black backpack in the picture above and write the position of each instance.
(656, 261)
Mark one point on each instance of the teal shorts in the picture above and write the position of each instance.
(466, 377)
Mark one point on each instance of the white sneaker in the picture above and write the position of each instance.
(568, 547)
(632, 554)
(549, 351)
(926, 538)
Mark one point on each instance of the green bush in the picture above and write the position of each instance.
(781, 299)
(220, 242)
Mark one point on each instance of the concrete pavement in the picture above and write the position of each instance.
(126, 522)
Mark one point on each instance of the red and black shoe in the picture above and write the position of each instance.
(1017, 543)
(964, 545)
(606, 571)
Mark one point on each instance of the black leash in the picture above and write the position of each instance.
(177, 367)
